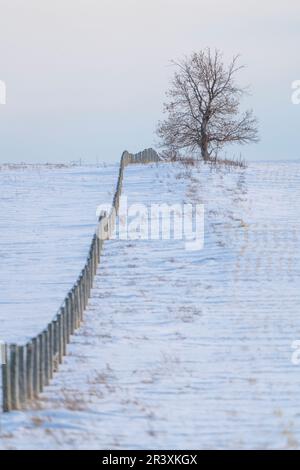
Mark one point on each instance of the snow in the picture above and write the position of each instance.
(47, 219)
(183, 349)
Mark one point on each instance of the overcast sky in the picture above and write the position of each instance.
(86, 78)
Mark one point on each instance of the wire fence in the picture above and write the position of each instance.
(28, 368)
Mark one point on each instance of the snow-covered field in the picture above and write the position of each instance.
(179, 349)
(47, 220)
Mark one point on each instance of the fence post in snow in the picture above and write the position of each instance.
(71, 312)
(14, 367)
(75, 308)
(6, 380)
(85, 285)
(45, 362)
(22, 375)
(67, 314)
(60, 336)
(36, 362)
(77, 294)
(51, 349)
(29, 371)
(55, 346)
(80, 286)
(89, 276)
(64, 328)
(41, 361)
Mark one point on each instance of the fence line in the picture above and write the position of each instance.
(27, 369)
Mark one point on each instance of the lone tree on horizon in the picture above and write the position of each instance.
(203, 107)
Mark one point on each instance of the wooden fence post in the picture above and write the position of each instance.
(55, 351)
(67, 321)
(22, 376)
(81, 307)
(85, 286)
(14, 364)
(74, 309)
(60, 336)
(78, 301)
(6, 380)
(51, 354)
(75, 306)
(64, 329)
(29, 371)
(46, 358)
(70, 315)
(41, 362)
(36, 367)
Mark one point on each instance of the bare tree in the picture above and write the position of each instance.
(203, 107)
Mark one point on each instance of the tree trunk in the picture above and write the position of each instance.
(204, 138)
(204, 147)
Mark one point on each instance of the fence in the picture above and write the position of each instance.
(28, 368)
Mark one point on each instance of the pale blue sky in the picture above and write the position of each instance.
(86, 78)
